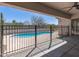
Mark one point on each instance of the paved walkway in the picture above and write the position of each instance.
(71, 49)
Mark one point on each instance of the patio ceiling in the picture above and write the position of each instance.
(62, 6)
(50, 8)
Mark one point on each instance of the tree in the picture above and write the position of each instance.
(14, 22)
(19, 23)
(37, 20)
(27, 23)
(1, 18)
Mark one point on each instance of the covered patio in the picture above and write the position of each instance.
(67, 27)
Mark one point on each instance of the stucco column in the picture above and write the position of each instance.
(70, 29)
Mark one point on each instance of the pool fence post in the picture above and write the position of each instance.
(1, 35)
(50, 37)
(35, 41)
(35, 36)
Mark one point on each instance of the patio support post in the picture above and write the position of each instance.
(70, 29)
(1, 35)
(50, 37)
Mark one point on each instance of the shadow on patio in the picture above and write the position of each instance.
(71, 49)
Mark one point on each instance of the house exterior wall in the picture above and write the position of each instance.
(64, 26)
(76, 16)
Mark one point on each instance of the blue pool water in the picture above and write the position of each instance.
(30, 34)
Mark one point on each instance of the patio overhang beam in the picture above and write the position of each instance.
(37, 7)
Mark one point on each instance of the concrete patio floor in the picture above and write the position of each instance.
(71, 49)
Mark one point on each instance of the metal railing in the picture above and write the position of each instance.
(17, 38)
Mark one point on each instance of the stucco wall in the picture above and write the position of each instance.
(76, 16)
(64, 26)
(64, 22)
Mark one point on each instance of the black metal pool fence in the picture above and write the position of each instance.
(11, 44)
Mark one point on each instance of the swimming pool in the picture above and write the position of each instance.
(30, 34)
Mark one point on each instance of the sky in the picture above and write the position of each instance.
(22, 16)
